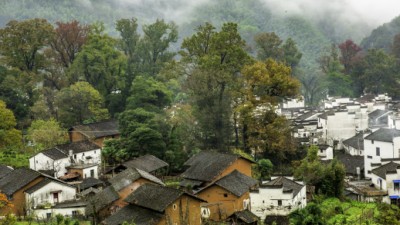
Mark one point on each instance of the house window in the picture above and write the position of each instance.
(378, 151)
(225, 195)
(372, 141)
(174, 206)
(91, 173)
(75, 156)
(48, 215)
(279, 202)
(369, 157)
(75, 213)
(83, 154)
(396, 186)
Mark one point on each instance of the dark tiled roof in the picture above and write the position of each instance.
(62, 151)
(134, 214)
(4, 170)
(390, 167)
(356, 141)
(366, 98)
(245, 216)
(70, 204)
(101, 200)
(287, 184)
(383, 134)
(17, 179)
(154, 197)
(78, 147)
(377, 113)
(98, 129)
(148, 163)
(90, 182)
(306, 115)
(326, 114)
(129, 176)
(207, 165)
(350, 162)
(55, 153)
(236, 183)
(45, 182)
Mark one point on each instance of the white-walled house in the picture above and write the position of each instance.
(49, 197)
(381, 145)
(355, 145)
(342, 124)
(278, 197)
(387, 177)
(58, 158)
(325, 152)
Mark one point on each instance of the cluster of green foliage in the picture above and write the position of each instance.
(328, 179)
(334, 211)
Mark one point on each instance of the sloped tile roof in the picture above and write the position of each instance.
(235, 182)
(45, 182)
(356, 141)
(98, 129)
(245, 216)
(377, 113)
(90, 182)
(287, 184)
(384, 135)
(390, 167)
(134, 214)
(129, 176)
(148, 163)
(207, 165)
(101, 200)
(4, 170)
(17, 179)
(62, 151)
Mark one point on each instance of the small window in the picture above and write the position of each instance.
(174, 206)
(75, 156)
(378, 151)
(279, 202)
(83, 154)
(397, 186)
(225, 195)
(369, 171)
(48, 215)
(94, 152)
(75, 213)
(369, 157)
(321, 150)
(372, 141)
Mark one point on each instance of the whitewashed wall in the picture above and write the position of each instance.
(265, 202)
(387, 150)
(45, 194)
(67, 212)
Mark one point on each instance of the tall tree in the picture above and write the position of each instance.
(216, 59)
(268, 46)
(80, 103)
(291, 54)
(22, 43)
(46, 134)
(348, 50)
(264, 86)
(68, 40)
(102, 65)
(9, 136)
(396, 46)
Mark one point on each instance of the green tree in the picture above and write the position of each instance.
(22, 43)
(310, 170)
(216, 59)
(149, 94)
(265, 167)
(263, 131)
(46, 134)
(291, 54)
(153, 47)
(268, 46)
(102, 65)
(80, 103)
(9, 136)
(311, 215)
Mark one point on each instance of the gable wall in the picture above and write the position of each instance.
(221, 202)
(187, 212)
(241, 165)
(45, 194)
(18, 200)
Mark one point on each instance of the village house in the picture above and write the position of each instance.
(355, 145)
(378, 118)
(387, 177)
(158, 205)
(278, 197)
(50, 197)
(244, 217)
(379, 146)
(147, 163)
(82, 157)
(341, 124)
(109, 201)
(325, 152)
(227, 195)
(95, 132)
(13, 186)
(207, 167)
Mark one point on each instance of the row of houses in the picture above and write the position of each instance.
(71, 180)
(364, 134)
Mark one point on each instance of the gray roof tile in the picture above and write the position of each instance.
(134, 214)
(384, 135)
(390, 167)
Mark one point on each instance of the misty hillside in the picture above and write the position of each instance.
(253, 16)
(382, 37)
